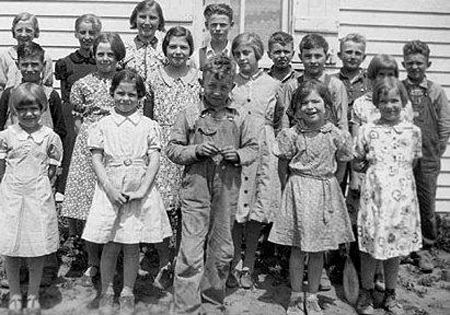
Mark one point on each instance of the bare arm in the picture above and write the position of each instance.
(115, 196)
(149, 178)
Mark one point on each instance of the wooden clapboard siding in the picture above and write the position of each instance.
(57, 18)
(387, 26)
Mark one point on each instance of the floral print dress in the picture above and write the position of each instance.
(389, 217)
(91, 99)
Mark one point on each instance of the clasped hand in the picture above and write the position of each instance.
(209, 149)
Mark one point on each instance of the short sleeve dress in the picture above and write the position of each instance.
(28, 222)
(91, 99)
(312, 214)
(260, 192)
(126, 143)
(171, 98)
(389, 216)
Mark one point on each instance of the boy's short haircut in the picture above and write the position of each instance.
(218, 8)
(131, 76)
(117, 45)
(251, 39)
(26, 94)
(25, 16)
(220, 66)
(353, 37)
(312, 41)
(178, 31)
(30, 50)
(281, 38)
(89, 18)
(383, 87)
(146, 4)
(379, 62)
(416, 47)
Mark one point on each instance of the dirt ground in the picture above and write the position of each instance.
(419, 293)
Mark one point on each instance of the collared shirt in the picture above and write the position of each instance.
(355, 87)
(120, 119)
(440, 103)
(292, 75)
(209, 52)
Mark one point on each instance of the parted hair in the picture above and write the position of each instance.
(178, 31)
(89, 18)
(144, 5)
(353, 37)
(25, 16)
(218, 8)
(117, 45)
(251, 39)
(130, 76)
(312, 41)
(383, 87)
(26, 94)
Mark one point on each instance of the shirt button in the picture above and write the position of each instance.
(245, 191)
(245, 204)
(245, 178)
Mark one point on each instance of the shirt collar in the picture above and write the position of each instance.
(422, 84)
(119, 119)
(290, 75)
(210, 51)
(22, 135)
(398, 128)
(327, 127)
(142, 44)
(189, 78)
(78, 58)
(253, 77)
(360, 76)
(231, 105)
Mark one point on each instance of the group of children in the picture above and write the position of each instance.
(157, 128)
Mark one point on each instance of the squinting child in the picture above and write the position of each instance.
(219, 21)
(388, 218)
(432, 116)
(213, 144)
(256, 92)
(312, 217)
(126, 208)
(280, 49)
(25, 29)
(29, 156)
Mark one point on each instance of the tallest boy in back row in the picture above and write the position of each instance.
(432, 116)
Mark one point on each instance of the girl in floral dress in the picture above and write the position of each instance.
(175, 87)
(312, 217)
(388, 217)
(91, 99)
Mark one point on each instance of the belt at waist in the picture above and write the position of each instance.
(126, 162)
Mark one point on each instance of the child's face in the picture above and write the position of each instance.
(31, 68)
(313, 61)
(29, 115)
(24, 32)
(281, 55)
(352, 55)
(416, 65)
(126, 98)
(217, 91)
(384, 73)
(219, 27)
(178, 51)
(312, 110)
(245, 57)
(147, 22)
(105, 58)
(390, 106)
(85, 35)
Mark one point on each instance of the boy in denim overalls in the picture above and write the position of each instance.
(432, 115)
(213, 141)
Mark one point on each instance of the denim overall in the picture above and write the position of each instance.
(427, 169)
(209, 196)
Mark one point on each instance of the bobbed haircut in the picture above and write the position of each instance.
(220, 67)
(117, 45)
(25, 16)
(281, 38)
(312, 41)
(416, 47)
(303, 91)
(380, 62)
(130, 76)
(30, 50)
(250, 39)
(388, 84)
(26, 94)
(219, 9)
(178, 31)
(147, 4)
(353, 37)
(89, 18)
